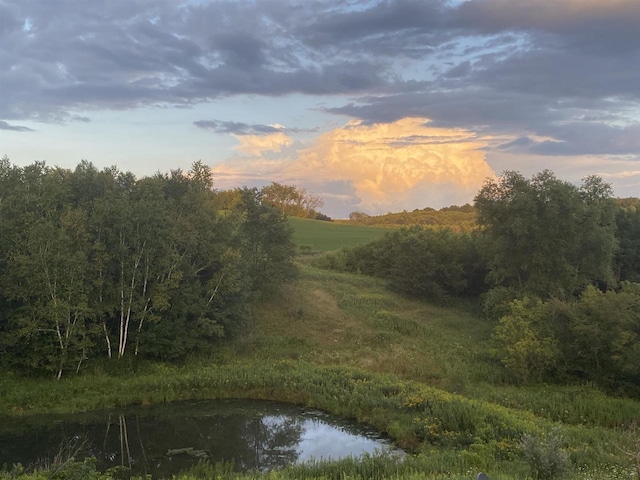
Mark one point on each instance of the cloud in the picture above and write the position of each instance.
(579, 139)
(238, 128)
(383, 167)
(258, 144)
(397, 165)
(122, 55)
(522, 68)
(255, 139)
(16, 128)
(624, 174)
(517, 70)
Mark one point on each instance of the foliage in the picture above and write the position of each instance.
(335, 341)
(454, 218)
(545, 236)
(266, 242)
(627, 260)
(292, 200)
(595, 337)
(496, 301)
(603, 338)
(99, 263)
(417, 416)
(367, 467)
(546, 456)
(631, 446)
(342, 343)
(523, 339)
(420, 262)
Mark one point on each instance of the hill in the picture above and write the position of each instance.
(319, 236)
(337, 320)
(420, 373)
(455, 218)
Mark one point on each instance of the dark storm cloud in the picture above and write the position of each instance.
(596, 26)
(567, 70)
(121, 54)
(477, 108)
(406, 28)
(591, 138)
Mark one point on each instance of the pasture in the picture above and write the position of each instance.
(319, 236)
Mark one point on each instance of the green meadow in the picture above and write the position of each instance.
(343, 343)
(319, 236)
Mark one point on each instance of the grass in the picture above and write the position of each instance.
(345, 344)
(452, 434)
(320, 236)
(340, 319)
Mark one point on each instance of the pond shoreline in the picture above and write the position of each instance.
(454, 432)
(253, 435)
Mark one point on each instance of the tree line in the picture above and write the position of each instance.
(102, 264)
(556, 267)
(460, 219)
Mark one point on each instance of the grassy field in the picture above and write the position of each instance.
(320, 236)
(343, 343)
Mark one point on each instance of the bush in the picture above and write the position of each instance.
(545, 456)
(419, 262)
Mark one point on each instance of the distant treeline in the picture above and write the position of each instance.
(102, 264)
(289, 200)
(454, 218)
(557, 267)
(462, 219)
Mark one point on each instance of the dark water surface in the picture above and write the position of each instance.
(163, 439)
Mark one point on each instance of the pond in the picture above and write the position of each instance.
(163, 439)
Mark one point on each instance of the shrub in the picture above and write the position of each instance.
(545, 455)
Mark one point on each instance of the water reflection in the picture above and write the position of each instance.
(162, 439)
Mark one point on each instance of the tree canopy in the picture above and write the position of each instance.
(554, 265)
(546, 236)
(292, 200)
(99, 263)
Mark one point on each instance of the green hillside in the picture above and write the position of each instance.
(504, 366)
(320, 236)
(418, 372)
(455, 218)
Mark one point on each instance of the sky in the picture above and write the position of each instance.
(376, 106)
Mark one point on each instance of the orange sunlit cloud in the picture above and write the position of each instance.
(255, 145)
(392, 166)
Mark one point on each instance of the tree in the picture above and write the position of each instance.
(594, 337)
(357, 216)
(291, 200)
(267, 244)
(421, 262)
(201, 177)
(523, 341)
(200, 291)
(604, 341)
(50, 322)
(545, 236)
(627, 260)
(100, 263)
